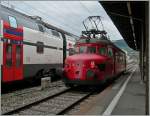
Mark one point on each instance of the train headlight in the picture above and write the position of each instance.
(73, 65)
(89, 74)
(92, 64)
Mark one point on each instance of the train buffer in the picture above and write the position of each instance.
(122, 98)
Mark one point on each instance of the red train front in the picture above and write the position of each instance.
(96, 59)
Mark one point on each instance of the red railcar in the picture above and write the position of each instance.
(96, 60)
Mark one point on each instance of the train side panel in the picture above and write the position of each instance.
(1, 47)
(1, 57)
(36, 49)
(51, 55)
(119, 61)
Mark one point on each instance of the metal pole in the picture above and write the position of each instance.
(147, 58)
(142, 53)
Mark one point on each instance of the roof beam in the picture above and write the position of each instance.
(131, 22)
(124, 16)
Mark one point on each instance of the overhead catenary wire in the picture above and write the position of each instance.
(45, 15)
(73, 27)
(85, 8)
(62, 14)
(42, 14)
(111, 34)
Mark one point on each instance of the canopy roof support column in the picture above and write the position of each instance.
(147, 58)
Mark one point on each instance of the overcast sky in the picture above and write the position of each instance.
(67, 15)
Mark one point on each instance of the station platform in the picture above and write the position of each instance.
(111, 102)
(132, 102)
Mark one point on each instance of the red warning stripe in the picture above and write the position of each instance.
(7, 26)
(11, 35)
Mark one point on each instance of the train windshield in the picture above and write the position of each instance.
(85, 49)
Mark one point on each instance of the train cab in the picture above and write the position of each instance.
(96, 58)
(91, 64)
(12, 45)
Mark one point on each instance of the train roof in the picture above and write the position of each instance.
(102, 39)
(35, 19)
(56, 28)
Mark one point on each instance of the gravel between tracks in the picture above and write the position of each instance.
(21, 98)
(55, 105)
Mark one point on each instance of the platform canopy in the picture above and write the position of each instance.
(129, 18)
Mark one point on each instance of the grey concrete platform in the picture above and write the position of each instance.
(131, 102)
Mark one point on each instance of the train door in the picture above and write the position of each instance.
(13, 64)
(8, 62)
(18, 62)
(12, 50)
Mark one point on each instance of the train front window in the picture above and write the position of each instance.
(102, 51)
(12, 21)
(82, 49)
(86, 49)
(91, 49)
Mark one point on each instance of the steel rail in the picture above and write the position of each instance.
(73, 104)
(52, 96)
(36, 102)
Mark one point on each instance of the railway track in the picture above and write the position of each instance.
(19, 99)
(48, 98)
(30, 90)
(55, 104)
(85, 106)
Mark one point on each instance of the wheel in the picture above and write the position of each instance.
(69, 85)
(53, 75)
(36, 80)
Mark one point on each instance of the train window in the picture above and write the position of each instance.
(102, 51)
(122, 59)
(12, 21)
(110, 52)
(21, 19)
(82, 49)
(118, 58)
(55, 33)
(40, 47)
(91, 49)
(9, 55)
(48, 31)
(18, 56)
(27, 22)
(41, 28)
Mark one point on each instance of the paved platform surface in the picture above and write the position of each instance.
(131, 102)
